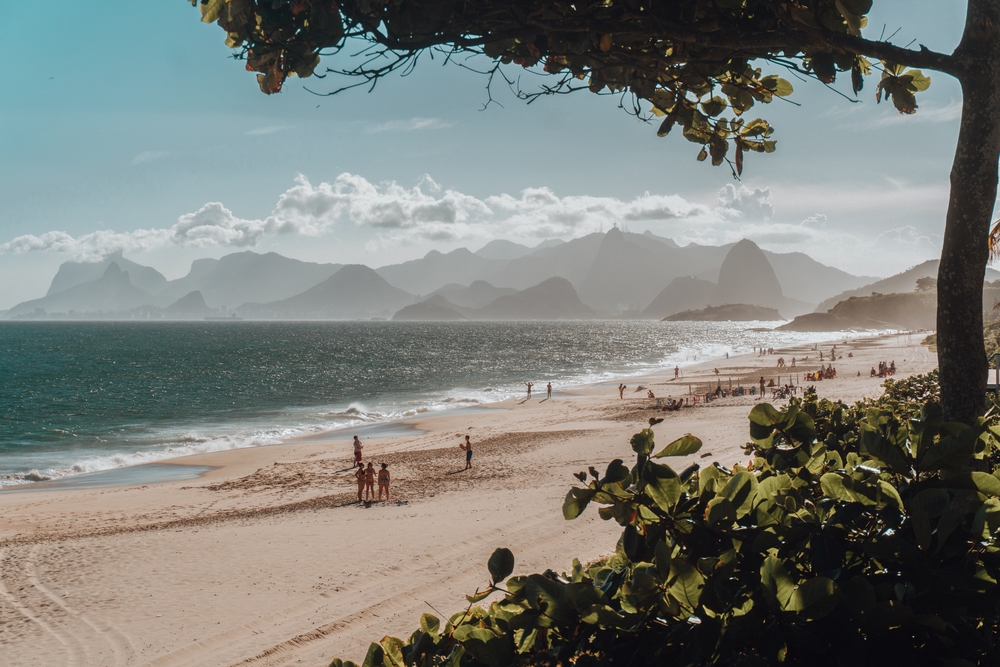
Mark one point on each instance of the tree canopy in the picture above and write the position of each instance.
(699, 65)
(692, 62)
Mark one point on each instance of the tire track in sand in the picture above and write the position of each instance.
(72, 652)
(118, 643)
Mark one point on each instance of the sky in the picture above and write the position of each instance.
(130, 126)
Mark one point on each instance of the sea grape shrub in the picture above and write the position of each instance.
(855, 535)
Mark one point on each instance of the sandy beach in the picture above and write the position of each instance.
(267, 558)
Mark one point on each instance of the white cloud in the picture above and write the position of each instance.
(751, 204)
(949, 113)
(269, 129)
(410, 125)
(908, 234)
(404, 217)
(149, 156)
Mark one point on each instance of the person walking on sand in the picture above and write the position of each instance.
(370, 482)
(359, 475)
(529, 385)
(383, 481)
(357, 450)
(548, 391)
(467, 448)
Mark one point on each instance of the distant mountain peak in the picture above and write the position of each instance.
(747, 277)
(112, 270)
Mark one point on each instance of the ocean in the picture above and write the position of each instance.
(80, 397)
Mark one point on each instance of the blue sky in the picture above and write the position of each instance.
(130, 124)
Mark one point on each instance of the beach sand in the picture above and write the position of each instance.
(268, 560)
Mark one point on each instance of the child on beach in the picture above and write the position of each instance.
(383, 481)
(370, 482)
(359, 475)
(467, 448)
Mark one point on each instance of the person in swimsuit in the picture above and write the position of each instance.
(370, 482)
(383, 482)
(529, 385)
(467, 448)
(357, 450)
(359, 475)
(548, 390)
(621, 391)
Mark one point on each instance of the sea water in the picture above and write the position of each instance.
(79, 397)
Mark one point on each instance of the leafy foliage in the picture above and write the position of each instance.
(856, 535)
(690, 61)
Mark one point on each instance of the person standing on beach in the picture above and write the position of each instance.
(357, 450)
(383, 481)
(529, 385)
(762, 386)
(467, 448)
(370, 482)
(677, 370)
(359, 475)
(548, 391)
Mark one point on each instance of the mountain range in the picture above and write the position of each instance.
(612, 274)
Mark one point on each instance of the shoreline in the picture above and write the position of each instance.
(393, 426)
(267, 558)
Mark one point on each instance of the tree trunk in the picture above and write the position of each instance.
(964, 253)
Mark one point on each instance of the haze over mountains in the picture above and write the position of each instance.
(612, 274)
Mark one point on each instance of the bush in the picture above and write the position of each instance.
(856, 535)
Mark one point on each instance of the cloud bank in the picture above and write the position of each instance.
(400, 216)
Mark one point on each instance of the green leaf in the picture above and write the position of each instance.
(763, 420)
(662, 485)
(686, 584)
(720, 512)
(430, 624)
(741, 491)
(616, 472)
(778, 587)
(642, 442)
(375, 656)
(210, 10)
(778, 86)
(815, 598)
(501, 564)
(576, 501)
(479, 596)
(683, 446)
(603, 616)
(916, 80)
(485, 646)
(393, 649)
(951, 451)
(882, 450)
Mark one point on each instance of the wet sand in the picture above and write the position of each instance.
(267, 558)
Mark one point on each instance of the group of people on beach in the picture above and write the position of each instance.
(885, 369)
(548, 389)
(366, 476)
